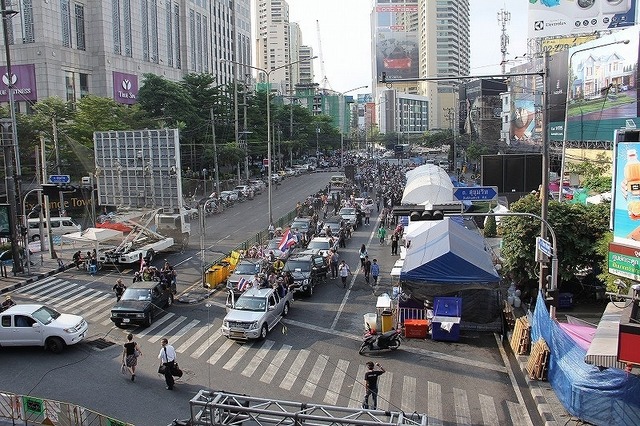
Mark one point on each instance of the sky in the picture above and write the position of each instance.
(345, 35)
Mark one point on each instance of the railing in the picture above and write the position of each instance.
(30, 410)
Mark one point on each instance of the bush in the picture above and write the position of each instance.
(490, 228)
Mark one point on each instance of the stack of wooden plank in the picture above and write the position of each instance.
(538, 360)
(521, 337)
(509, 315)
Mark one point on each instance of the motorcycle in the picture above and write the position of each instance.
(377, 342)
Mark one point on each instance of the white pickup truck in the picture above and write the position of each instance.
(39, 325)
(255, 313)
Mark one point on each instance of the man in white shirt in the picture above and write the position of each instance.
(167, 357)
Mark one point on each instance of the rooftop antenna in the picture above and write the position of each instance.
(504, 17)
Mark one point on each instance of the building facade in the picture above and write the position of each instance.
(105, 48)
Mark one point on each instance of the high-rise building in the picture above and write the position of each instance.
(417, 39)
(306, 65)
(69, 49)
(272, 42)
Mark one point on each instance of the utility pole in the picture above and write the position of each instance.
(215, 154)
(503, 19)
(544, 189)
(7, 144)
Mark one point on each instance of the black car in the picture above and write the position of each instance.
(307, 270)
(141, 303)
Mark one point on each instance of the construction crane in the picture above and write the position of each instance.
(324, 84)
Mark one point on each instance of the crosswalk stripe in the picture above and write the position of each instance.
(294, 369)
(314, 377)
(60, 298)
(47, 291)
(331, 397)
(233, 361)
(408, 403)
(183, 331)
(518, 414)
(167, 329)
(38, 288)
(357, 392)
(488, 410)
(27, 288)
(221, 351)
(94, 306)
(70, 302)
(258, 358)
(191, 340)
(274, 366)
(156, 323)
(100, 307)
(461, 405)
(384, 391)
(434, 404)
(81, 301)
(206, 345)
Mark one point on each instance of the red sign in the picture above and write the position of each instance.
(265, 162)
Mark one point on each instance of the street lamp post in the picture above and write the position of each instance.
(342, 107)
(268, 74)
(566, 113)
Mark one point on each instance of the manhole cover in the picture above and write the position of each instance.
(99, 343)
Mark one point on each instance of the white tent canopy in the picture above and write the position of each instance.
(94, 235)
(427, 184)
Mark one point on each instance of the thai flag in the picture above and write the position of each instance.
(286, 241)
(243, 284)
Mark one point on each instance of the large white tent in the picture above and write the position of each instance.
(427, 184)
(94, 235)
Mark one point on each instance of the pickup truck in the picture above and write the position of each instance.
(307, 269)
(255, 313)
(141, 303)
(39, 325)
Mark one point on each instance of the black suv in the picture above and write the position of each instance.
(307, 271)
(141, 303)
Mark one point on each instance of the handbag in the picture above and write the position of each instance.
(123, 369)
(162, 369)
(136, 353)
(175, 371)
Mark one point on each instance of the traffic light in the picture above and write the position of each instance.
(423, 212)
(53, 190)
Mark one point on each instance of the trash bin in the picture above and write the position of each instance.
(446, 319)
(216, 274)
(370, 322)
(386, 321)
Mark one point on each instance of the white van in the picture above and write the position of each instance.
(338, 180)
(59, 226)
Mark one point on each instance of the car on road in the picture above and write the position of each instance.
(141, 303)
(333, 224)
(273, 245)
(40, 325)
(302, 224)
(350, 215)
(245, 190)
(322, 245)
(307, 270)
(255, 313)
(246, 269)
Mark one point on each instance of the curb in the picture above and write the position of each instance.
(537, 392)
(33, 279)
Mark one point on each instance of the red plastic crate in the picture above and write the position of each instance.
(416, 328)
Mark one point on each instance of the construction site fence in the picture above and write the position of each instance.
(30, 410)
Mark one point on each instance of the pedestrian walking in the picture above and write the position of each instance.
(119, 289)
(130, 353)
(367, 269)
(344, 272)
(375, 271)
(363, 253)
(382, 233)
(167, 357)
(371, 384)
(395, 237)
(335, 260)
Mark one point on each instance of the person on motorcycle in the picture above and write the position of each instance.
(371, 384)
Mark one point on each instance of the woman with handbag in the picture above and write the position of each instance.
(130, 354)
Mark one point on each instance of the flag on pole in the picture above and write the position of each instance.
(286, 241)
(243, 284)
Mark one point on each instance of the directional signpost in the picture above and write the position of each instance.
(475, 193)
(59, 179)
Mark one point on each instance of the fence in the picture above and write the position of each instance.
(29, 410)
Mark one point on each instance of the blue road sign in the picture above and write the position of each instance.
(475, 193)
(59, 179)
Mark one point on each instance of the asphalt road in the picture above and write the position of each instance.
(311, 356)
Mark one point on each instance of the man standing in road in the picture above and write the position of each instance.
(167, 357)
(371, 384)
(375, 271)
(119, 289)
(334, 260)
(344, 272)
(366, 267)
(382, 233)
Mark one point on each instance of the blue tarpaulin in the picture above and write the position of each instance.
(594, 395)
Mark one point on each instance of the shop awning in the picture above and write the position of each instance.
(603, 351)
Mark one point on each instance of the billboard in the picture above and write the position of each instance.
(549, 18)
(23, 79)
(558, 44)
(125, 88)
(396, 39)
(625, 207)
(525, 121)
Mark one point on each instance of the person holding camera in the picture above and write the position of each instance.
(371, 384)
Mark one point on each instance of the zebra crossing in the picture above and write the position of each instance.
(331, 380)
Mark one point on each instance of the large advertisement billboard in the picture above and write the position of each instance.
(23, 79)
(549, 18)
(396, 38)
(625, 214)
(525, 121)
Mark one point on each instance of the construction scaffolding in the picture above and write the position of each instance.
(222, 408)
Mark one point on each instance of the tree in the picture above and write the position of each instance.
(595, 175)
(490, 230)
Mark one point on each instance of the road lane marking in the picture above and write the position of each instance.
(258, 358)
(514, 383)
(434, 404)
(461, 405)
(331, 397)
(156, 323)
(294, 369)
(69, 302)
(408, 404)
(384, 391)
(488, 410)
(203, 347)
(233, 361)
(274, 366)
(82, 301)
(27, 288)
(99, 307)
(183, 331)
(167, 329)
(221, 351)
(314, 377)
(357, 393)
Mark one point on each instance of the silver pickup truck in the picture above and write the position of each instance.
(254, 313)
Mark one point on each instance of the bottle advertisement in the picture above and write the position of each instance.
(626, 205)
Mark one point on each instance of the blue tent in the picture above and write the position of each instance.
(446, 258)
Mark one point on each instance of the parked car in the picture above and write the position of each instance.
(307, 270)
(255, 313)
(40, 325)
(245, 190)
(322, 245)
(140, 303)
(291, 172)
(229, 195)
